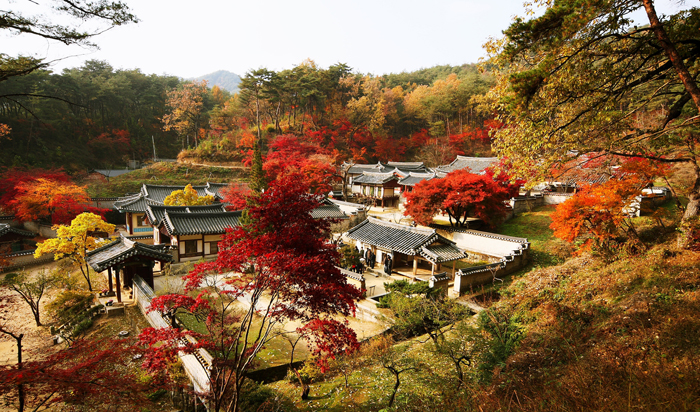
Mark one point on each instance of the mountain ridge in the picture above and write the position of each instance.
(223, 78)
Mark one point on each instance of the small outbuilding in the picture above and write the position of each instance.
(124, 258)
(411, 249)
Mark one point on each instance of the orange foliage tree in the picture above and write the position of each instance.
(600, 215)
(44, 198)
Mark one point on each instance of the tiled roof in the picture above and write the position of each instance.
(156, 213)
(412, 165)
(156, 194)
(112, 172)
(132, 203)
(403, 168)
(407, 240)
(214, 189)
(361, 168)
(369, 178)
(6, 229)
(179, 223)
(326, 211)
(122, 249)
(439, 252)
(476, 165)
(349, 204)
(414, 178)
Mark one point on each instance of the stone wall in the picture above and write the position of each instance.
(355, 279)
(25, 258)
(504, 254)
(556, 198)
(103, 202)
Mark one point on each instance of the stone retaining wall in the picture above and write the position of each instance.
(24, 259)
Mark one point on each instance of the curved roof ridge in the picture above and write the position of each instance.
(419, 230)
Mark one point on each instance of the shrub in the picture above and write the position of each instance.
(83, 326)
(70, 305)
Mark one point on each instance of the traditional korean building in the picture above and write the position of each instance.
(329, 210)
(195, 236)
(410, 248)
(379, 189)
(14, 239)
(407, 183)
(476, 165)
(124, 258)
(400, 169)
(134, 206)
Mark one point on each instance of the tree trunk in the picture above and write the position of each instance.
(35, 312)
(688, 81)
(396, 388)
(86, 275)
(20, 387)
(305, 389)
(693, 207)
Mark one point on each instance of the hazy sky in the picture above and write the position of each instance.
(193, 38)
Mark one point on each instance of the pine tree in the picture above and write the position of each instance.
(258, 181)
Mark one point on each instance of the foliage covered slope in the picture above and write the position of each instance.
(164, 174)
(605, 337)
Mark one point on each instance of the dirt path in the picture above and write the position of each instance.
(239, 167)
(19, 320)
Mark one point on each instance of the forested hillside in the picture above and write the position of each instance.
(87, 117)
(430, 115)
(98, 117)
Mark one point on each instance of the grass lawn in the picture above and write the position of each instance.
(164, 174)
(545, 249)
(276, 352)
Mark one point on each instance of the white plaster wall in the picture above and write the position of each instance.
(486, 245)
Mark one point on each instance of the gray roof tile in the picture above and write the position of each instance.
(407, 240)
(369, 178)
(156, 194)
(179, 223)
(6, 229)
(123, 249)
(475, 165)
(326, 211)
(156, 213)
(414, 178)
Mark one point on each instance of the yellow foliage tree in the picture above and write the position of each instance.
(187, 197)
(74, 241)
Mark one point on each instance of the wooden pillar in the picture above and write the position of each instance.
(415, 266)
(432, 269)
(119, 285)
(202, 244)
(178, 247)
(109, 276)
(454, 265)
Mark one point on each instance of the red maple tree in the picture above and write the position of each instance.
(289, 155)
(43, 194)
(12, 178)
(235, 194)
(89, 373)
(285, 270)
(460, 194)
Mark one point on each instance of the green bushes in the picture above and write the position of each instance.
(75, 311)
(69, 304)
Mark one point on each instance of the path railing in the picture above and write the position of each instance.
(196, 364)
